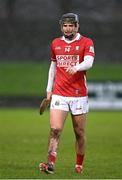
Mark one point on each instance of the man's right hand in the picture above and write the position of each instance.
(49, 96)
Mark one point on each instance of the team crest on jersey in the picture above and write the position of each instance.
(67, 48)
(77, 48)
(91, 49)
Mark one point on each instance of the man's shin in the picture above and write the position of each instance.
(53, 144)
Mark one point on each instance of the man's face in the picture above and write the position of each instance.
(69, 28)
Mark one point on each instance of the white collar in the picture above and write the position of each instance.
(76, 38)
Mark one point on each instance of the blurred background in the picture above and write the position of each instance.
(27, 28)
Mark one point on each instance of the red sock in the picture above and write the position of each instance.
(52, 157)
(79, 159)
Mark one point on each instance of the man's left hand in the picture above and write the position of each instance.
(71, 70)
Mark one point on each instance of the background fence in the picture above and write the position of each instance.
(105, 95)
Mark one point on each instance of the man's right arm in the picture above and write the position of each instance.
(51, 77)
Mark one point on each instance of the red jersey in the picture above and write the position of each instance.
(70, 53)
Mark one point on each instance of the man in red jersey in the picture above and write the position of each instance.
(72, 55)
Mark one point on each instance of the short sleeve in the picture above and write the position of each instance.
(89, 48)
(53, 56)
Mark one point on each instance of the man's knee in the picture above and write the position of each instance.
(55, 133)
(80, 133)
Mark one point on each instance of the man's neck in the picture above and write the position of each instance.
(76, 37)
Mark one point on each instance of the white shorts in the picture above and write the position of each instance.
(76, 105)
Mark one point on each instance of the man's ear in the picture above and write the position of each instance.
(61, 28)
(78, 26)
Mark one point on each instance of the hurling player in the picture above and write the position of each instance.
(72, 55)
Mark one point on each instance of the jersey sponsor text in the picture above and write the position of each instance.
(67, 60)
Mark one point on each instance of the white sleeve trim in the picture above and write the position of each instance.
(51, 76)
(86, 64)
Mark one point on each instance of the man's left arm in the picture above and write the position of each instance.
(83, 66)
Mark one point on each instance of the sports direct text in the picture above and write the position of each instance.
(67, 60)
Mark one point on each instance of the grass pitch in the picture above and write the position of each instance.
(23, 144)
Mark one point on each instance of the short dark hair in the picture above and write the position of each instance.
(69, 17)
